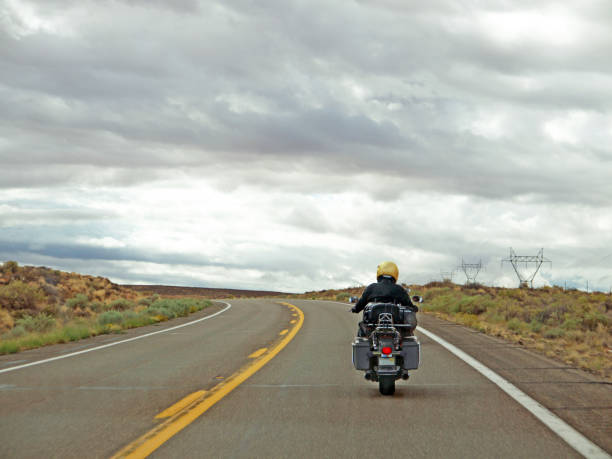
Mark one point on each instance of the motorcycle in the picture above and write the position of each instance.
(385, 347)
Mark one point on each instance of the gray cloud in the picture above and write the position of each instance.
(488, 101)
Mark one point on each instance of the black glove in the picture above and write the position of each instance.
(354, 310)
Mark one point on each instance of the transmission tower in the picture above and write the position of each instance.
(526, 280)
(471, 270)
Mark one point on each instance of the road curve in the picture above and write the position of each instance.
(307, 401)
(91, 405)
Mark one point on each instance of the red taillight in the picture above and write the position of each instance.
(386, 350)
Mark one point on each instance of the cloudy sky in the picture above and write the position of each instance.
(293, 145)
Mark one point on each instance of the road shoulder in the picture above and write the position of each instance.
(579, 398)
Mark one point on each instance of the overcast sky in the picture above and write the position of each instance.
(293, 145)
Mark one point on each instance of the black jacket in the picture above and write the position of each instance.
(384, 291)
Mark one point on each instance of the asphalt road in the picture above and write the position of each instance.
(308, 401)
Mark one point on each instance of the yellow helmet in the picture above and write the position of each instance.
(387, 268)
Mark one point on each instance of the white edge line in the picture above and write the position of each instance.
(567, 433)
(97, 348)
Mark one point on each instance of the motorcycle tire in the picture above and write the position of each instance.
(386, 385)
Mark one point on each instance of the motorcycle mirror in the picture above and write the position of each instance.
(417, 299)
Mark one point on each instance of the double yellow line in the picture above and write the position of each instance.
(184, 412)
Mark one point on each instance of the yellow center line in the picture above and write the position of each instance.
(293, 321)
(258, 353)
(284, 332)
(150, 441)
(181, 404)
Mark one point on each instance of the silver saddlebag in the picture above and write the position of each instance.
(361, 353)
(411, 353)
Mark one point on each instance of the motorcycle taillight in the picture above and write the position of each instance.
(386, 350)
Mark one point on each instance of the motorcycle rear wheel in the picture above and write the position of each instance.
(386, 385)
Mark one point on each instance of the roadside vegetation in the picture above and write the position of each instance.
(572, 326)
(569, 325)
(40, 306)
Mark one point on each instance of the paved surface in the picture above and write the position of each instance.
(307, 402)
(580, 399)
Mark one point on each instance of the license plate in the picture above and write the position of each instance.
(386, 361)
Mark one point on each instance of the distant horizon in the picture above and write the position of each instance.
(129, 284)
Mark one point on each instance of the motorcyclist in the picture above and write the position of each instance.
(385, 290)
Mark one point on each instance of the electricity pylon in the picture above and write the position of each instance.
(471, 270)
(515, 260)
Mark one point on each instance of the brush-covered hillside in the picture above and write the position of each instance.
(569, 325)
(30, 290)
(40, 306)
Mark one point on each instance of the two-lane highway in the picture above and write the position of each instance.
(310, 402)
(307, 401)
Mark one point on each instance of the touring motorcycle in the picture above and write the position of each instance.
(385, 346)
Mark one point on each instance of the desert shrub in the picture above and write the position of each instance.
(79, 301)
(470, 320)
(592, 319)
(20, 296)
(517, 294)
(50, 291)
(171, 308)
(536, 326)
(342, 296)
(121, 304)
(52, 277)
(110, 317)
(445, 301)
(6, 320)
(10, 267)
(475, 304)
(96, 306)
(75, 332)
(512, 311)
(554, 333)
(39, 323)
(514, 325)
(571, 324)
(17, 331)
(145, 301)
(127, 315)
(132, 319)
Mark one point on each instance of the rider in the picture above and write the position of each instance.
(385, 290)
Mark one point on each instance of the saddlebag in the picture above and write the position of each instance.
(411, 353)
(361, 353)
(409, 318)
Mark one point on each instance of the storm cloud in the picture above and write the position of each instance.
(294, 145)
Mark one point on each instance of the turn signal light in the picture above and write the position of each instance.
(386, 350)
